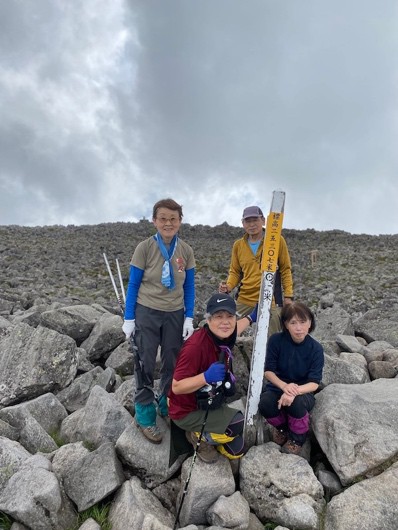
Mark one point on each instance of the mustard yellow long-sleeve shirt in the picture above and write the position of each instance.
(245, 268)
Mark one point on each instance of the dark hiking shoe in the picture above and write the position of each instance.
(279, 436)
(291, 448)
(206, 452)
(151, 433)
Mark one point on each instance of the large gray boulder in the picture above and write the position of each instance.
(382, 370)
(76, 321)
(105, 336)
(37, 421)
(93, 477)
(378, 324)
(75, 396)
(368, 505)
(348, 343)
(379, 346)
(125, 395)
(69, 428)
(206, 485)
(230, 512)
(8, 431)
(7, 306)
(47, 410)
(4, 323)
(34, 497)
(391, 355)
(332, 321)
(34, 361)
(65, 457)
(34, 438)
(12, 456)
(354, 358)
(136, 508)
(150, 465)
(340, 370)
(357, 426)
(281, 487)
(102, 419)
(121, 360)
(32, 316)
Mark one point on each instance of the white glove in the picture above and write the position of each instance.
(187, 329)
(129, 328)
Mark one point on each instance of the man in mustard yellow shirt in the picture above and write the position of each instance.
(245, 270)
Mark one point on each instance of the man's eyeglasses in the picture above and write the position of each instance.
(171, 220)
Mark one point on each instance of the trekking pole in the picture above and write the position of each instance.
(192, 464)
(121, 281)
(113, 283)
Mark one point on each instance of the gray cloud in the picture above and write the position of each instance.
(112, 106)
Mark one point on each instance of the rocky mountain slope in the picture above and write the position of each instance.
(65, 264)
(68, 441)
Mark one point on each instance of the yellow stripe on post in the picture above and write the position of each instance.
(269, 261)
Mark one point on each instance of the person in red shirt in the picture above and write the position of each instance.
(198, 365)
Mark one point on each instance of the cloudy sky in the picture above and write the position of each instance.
(107, 106)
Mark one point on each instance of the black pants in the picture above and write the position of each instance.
(153, 329)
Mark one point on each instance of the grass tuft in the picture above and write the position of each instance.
(5, 521)
(89, 445)
(99, 512)
(57, 438)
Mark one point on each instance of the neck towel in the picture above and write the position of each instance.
(167, 278)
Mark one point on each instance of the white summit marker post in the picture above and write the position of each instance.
(269, 264)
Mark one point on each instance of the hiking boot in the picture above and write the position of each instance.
(151, 433)
(279, 436)
(291, 448)
(206, 452)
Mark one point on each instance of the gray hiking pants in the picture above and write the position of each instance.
(153, 329)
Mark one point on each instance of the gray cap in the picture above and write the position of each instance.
(252, 211)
